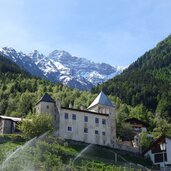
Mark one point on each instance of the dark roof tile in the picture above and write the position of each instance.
(46, 98)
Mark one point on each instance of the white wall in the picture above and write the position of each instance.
(45, 107)
(49, 108)
(168, 146)
(99, 108)
(79, 124)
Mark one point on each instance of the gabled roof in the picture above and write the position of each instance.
(101, 99)
(46, 98)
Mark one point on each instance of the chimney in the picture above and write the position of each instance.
(81, 107)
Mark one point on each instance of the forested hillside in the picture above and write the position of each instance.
(7, 66)
(147, 81)
(19, 93)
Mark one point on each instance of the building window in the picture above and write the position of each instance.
(69, 128)
(96, 120)
(47, 107)
(103, 133)
(159, 157)
(66, 115)
(85, 118)
(73, 116)
(96, 132)
(104, 121)
(85, 130)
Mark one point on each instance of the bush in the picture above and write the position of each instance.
(36, 125)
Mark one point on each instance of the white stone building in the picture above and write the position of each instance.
(95, 125)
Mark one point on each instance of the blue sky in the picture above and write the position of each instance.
(112, 31)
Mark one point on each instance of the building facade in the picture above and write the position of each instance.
(95, 125)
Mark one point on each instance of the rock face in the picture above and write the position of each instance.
(60, 66)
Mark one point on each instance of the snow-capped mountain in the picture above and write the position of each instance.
(60, 66)
(22, 60)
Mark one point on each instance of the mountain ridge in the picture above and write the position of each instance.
(61, 66)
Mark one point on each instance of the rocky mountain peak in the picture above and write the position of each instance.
(36, 56)
(61, 66)
(59, 55)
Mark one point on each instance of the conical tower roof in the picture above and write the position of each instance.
(101, 99)
(46, 98)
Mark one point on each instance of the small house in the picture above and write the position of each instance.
(137, 124)
(160, 151)
(8, 125)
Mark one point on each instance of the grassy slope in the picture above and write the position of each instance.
(107, 155)
(96, 157)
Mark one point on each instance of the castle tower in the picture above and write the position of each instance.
(46, 105)
(103, 105)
